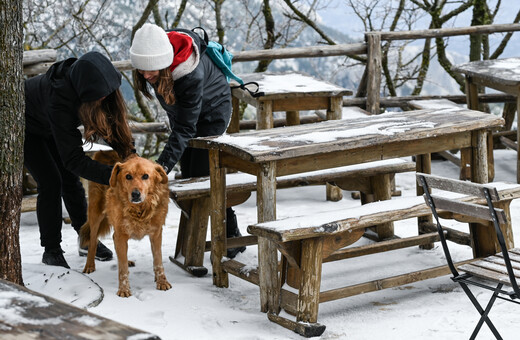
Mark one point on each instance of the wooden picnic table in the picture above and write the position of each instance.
(295, 149)
(499, 74)
(30, 315)
(290, 92)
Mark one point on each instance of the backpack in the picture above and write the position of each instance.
(220, 56)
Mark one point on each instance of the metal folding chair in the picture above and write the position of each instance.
(492, 272)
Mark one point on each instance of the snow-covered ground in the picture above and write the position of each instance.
(195, 309)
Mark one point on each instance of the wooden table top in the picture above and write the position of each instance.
(290, 85)
(505, 71)
(30, 315)
(344, 135)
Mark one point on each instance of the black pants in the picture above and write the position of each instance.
(42, 160)
(195, 163)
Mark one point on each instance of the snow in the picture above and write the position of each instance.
(195, 309)
(290, 83)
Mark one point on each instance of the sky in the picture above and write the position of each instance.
(195, 309)
(341, 17)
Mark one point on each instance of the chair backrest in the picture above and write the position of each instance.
(452, 203)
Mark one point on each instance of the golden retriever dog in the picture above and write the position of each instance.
(135, 204)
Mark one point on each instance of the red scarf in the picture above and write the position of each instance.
(182, 48)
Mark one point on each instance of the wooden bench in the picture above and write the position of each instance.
(308, 241)
(36, 316)
(192, 197)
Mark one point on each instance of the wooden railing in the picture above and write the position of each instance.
(368, 94)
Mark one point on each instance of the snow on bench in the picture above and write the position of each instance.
(337, 221)
(191, 188)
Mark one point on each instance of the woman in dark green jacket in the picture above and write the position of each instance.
(73, 92)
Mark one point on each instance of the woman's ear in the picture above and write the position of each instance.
(162, 173)
(115, 172)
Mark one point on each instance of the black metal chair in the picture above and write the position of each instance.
(492, 272)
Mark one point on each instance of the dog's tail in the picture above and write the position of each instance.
(84, 235)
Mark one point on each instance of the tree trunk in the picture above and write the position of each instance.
(12, 127)
(270, 35)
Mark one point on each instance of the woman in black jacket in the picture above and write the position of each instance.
(193, 91)
(73, 92)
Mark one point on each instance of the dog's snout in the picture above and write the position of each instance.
(136, 196)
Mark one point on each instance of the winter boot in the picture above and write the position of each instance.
(102, 252)
(54, 257)
(232, 231)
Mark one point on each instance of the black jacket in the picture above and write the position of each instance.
(202, 96)
(51, 108)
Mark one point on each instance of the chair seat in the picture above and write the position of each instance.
(493, 267)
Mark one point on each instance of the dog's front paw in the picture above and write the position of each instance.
(89, 269)
(163, 285)
(124, 292)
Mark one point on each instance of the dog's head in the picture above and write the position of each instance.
(137, 178)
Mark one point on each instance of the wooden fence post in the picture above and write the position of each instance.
(373, 71)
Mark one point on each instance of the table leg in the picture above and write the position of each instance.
(381, 187)
(292, 118)
(234, 123)
(423, 163)
(482, 235)
(473, 104)
(334, 112)
(218, 218)
(268, 267)
(264, 115)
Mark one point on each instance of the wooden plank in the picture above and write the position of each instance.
(508, 143)
(293, 141)
(303, 328)
(385, 283)
(453, 235)
(485, 273)
(39, 56)
(301, 103)
(42, 317)
(500, 260)
(242, 271)
(29, 203)
(469, 209)
(461, 187)
(350, 219)
(382, 246)
(196, 187)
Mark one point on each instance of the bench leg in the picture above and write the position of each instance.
(310, 280)
(191, 238)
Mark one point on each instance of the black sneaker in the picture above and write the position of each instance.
(102, 252)
(232, 231)
(54, 257)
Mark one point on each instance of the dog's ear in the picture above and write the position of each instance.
(115, 172)
(162, 173)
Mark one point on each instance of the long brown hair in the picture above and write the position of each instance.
(164, 85)
(107, 119)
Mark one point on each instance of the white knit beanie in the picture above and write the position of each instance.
(151, 49)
